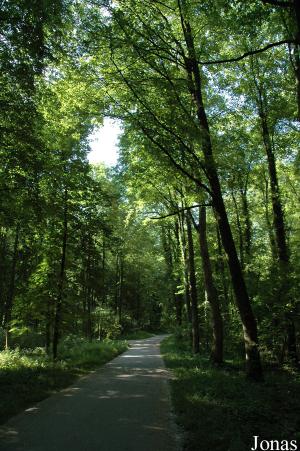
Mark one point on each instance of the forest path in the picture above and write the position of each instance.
(124, 405)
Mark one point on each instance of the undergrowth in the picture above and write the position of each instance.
(29, 375)
(219, 409)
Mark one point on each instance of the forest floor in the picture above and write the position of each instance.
(123, 406)
(220, 410)
(28, 376)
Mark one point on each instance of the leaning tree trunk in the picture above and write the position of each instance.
(59, 300)
(253, 363)
(211, 291)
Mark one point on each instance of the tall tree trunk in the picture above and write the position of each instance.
(253, 364)
(11, 291)
(193, 287)
(278, 218)
(211, 291)
(279, 227)
(59, 300)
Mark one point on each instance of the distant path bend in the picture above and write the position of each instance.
(123, 406)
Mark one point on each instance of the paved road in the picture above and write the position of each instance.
(123, 406)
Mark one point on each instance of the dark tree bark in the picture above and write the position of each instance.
(11, 291)
(211, 291)
(193, 287)
(59, 299)
(253, 364)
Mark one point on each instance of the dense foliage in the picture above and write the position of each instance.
(196, 228)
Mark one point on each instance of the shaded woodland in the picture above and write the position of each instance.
(196, 230)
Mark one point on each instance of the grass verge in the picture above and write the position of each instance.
(220, 410)
(28, 376)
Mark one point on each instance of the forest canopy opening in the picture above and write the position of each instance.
(103, 142)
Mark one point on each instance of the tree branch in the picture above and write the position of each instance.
(180, 210)
(251, 52)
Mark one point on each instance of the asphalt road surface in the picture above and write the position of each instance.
(123, 406)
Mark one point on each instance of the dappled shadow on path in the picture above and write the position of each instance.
(123, 406)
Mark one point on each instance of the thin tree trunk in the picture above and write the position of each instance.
(221, 268)
(121, 282)
(278, 218)
(268, 220)
(59, 300)
(185, 269)
(253, 364)
(11, 291)
(178, 296)
(211, 291)
(247, 221)
(119, 286)
(88, 292)
(240, 230)
(48, 326)
(193, 287)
